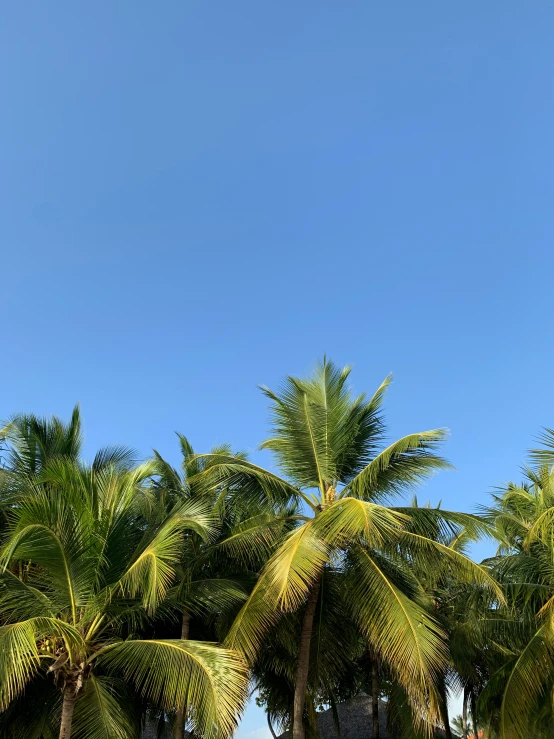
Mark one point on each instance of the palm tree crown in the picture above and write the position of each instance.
(523, 517)
(329, 446)
(84, 566)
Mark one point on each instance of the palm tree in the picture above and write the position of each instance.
(476, 636)
(468, 614)
(215, 575)
(462, 725)
(328, 445)
(523, 516)
(84, 566)
(336, 651)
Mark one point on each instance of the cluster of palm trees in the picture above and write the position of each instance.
(139, 594)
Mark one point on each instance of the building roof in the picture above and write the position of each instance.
(356, 721)
(355, 718)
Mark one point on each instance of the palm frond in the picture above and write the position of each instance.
(35, 713)
(152, 569)
(20, 653)
(545, 455)
(213, 595)
(405, 636)
(35, 441)
(305, 416)
(168, 481)
(19, 600)
(399, 467)
(210, 680)
(449, 560)
(349, 519)
(51, 545)
(442, 525)
(526, 684)
(114, 456)
(295, 567)
(253, 481)
(254, 538)
(282, 586)
(101, 711)
(362, 432)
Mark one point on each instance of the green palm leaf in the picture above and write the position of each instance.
(152, 570)
(236, 472)
(451, 561)
(253, 538)
(399, 467)
(101, 711)
(350, 519)
(210, 680)
(282, 586)
(20, 653)
(526, 684)
(19, 600)
(406, 637)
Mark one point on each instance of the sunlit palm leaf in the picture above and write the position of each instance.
(403, 633)
(234, 472)
(210, 680)
(20, 601)
(545, 455)
(441, 558)
(305, 415)
(254, 538)
(399, 467)
(120, 457)
(35, 441)
(526, 684)
(350, 519)
(442, 525)
(20, 654)
(101, 712)
(48, 535)
(152, 570)
(282, 586)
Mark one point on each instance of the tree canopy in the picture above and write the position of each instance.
(143, 592)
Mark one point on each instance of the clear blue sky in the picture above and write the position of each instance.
(196, 198)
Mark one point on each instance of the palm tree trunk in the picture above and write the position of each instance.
(180, 718)
(273, 734)
(301, 681)
(374, 701)
(473, 707)
(464, 715)
(68, 706)
(444, 711)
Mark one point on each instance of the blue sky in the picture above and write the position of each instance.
(197, 198)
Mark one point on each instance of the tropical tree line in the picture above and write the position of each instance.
(138, 596)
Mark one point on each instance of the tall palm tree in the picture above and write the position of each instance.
(215, 575)
(468, 612)
(328, 444)
(523, 515)
(83, 567)
(335, 651)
